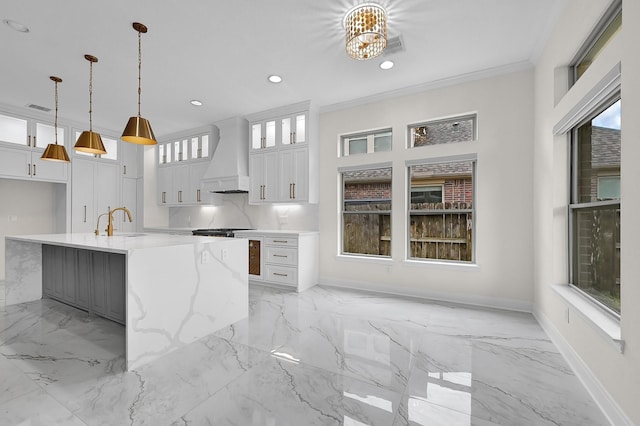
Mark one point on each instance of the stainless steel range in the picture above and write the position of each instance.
(218, 232)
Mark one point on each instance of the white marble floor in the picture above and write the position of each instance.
(322, 357)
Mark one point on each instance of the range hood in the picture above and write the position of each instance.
(228, 171)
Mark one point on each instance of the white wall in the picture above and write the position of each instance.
(29, 207)
(503, 274)
(618, 373)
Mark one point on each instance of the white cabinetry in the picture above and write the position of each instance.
(95, 189)
(22, 142)
(131, 157)
(286, 258)
(287, 134)
(182, 160)
(263, 172)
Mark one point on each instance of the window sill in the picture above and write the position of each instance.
(440, 264)
(609, 327)
(367, 259)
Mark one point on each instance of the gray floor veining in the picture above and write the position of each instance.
(321, 357)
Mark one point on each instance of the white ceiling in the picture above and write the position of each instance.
(221, 53)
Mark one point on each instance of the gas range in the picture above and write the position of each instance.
(218, 232)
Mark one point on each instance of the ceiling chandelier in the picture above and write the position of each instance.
(90, 142)
(138, 129)
(366, 31)
(55, 152)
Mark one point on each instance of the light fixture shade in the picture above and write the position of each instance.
(90, 142)
(366, 31)
(55, 152)
(138, 130)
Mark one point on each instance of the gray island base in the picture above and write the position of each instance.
(167, 290)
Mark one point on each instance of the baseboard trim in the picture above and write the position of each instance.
(394, 290)
(601, 396)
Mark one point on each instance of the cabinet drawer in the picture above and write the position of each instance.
(282, 255)
(282, 274)
(282, 241)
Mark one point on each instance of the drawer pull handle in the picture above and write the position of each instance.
(198, 195)
(279, 255)
(280, 275)
(280, 241)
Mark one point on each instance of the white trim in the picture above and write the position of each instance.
(433, 263)
(386, 260)
(598, 392)
(586, 106)
(606, 325)
(424, 87)
(439, 160)
(368, 166)
(425, 294)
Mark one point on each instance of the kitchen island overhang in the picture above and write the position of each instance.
(178, 288)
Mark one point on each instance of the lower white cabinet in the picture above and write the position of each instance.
(282, 258)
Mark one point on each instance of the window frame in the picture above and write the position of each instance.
(462, 117)
(344, 149)
(594, 37)
(472, 158)
(576, 206)
(342, 211)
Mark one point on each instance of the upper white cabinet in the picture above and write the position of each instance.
(22, 142)
(131, 157)
(283, 156)
(182, 160)
(95, 189)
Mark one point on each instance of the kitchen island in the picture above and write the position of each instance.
(177, 289)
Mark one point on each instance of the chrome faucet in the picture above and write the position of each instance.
(110, 225)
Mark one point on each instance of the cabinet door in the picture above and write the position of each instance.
(293, 129)
(15, 162)
(263, 134)
(130, 155)
(293, 174)
(196, 195)
(48, 170)
(180, 183)
(83, 215)
(99, 278)
(116, 287)
(130, 201)
(164, 185)
(84, 278)
(106, 188)
(69, 265)
(14, 130)
(263, 177)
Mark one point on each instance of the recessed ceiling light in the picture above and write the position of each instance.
(15, 25)
(387, 65)
(196, 102)
(275, 78)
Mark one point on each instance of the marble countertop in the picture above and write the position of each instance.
(119, 243)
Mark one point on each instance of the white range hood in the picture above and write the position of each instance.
(228, 171)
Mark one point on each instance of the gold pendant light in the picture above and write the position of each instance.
(138, 129)
(366, 31)
(55, 152)
(90, 142)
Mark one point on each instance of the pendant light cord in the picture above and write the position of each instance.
(90, 96)
(56, 119)
(139, 69)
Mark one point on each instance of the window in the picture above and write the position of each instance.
(366, 211)
(458, 129)
(441, 211)
(365, 143)
(607, 28)
(595, 206)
